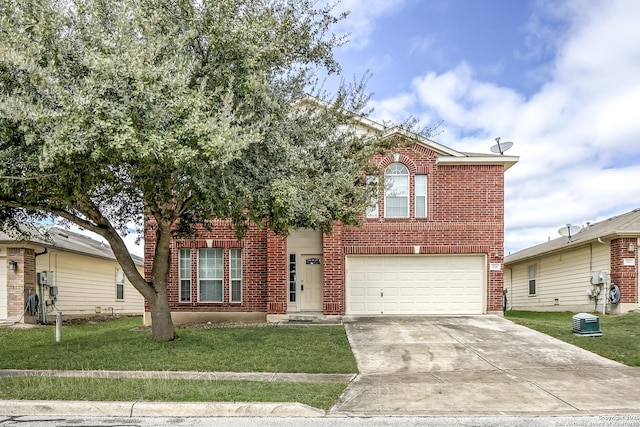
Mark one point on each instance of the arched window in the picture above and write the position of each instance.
(396, 195)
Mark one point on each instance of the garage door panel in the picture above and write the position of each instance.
(416, 284)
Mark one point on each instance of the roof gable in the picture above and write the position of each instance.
(449, 156)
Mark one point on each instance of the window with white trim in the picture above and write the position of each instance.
(533, 269)
(184, 274)
(421, 195)
(372, 189)
(210, 275)
(396, 195)
(119, 284)
(235, 275)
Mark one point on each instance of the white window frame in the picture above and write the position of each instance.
(533, 273)
(372, 208)
(216, 273)
(235, 273)
(120, 279)
(391, 175)
(184, 274)
(419, 196)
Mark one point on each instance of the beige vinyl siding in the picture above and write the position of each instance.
(562, 280)
(88, 284)
(3, 288)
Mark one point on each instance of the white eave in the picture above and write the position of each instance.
(506, 161)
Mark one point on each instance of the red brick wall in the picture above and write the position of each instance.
(21, 280)
(465, 215)
(625, 276)
(254, 268)
(333, 272)
(277, 289)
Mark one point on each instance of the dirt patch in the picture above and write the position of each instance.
(218, 325)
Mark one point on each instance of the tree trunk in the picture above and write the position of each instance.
(162, 328)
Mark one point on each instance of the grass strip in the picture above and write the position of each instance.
(620, 340)
(123, 344)
(319, 395)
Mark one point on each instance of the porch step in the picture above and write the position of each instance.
(302, 319)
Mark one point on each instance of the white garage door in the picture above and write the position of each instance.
(415, 284)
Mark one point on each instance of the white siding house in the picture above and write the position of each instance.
(68, 272)
(559, 275)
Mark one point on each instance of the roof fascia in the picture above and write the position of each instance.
(506, 161)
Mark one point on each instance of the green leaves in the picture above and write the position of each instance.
(182, 109)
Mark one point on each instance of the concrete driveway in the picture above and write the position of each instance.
(478, 365)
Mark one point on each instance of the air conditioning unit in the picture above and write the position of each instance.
(586, 325)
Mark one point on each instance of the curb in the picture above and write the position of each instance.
(157, 409)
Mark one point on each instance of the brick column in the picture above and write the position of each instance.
(625, 276)
(276, 274)
(21, 280)
(333, 272)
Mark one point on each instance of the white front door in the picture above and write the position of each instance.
(311, 283)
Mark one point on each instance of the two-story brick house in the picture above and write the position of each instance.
(432, 243)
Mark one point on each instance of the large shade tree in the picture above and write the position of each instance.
(180, 110)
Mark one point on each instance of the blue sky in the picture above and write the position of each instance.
(561, 79)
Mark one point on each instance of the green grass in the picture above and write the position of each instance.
(319, 395)
(122, 345)
(620, 340)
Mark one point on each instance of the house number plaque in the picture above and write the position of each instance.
(312, 261)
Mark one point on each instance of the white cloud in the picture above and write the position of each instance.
(363, 14)
(577, 137)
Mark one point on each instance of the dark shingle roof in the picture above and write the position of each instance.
(69, 241)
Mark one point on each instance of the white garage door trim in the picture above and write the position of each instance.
(415, 284)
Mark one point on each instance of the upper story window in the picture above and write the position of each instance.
(396, 195)
(372, 189)
(421, 195)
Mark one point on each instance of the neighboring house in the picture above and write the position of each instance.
(431, 244)
(69, 272)
(565, 274)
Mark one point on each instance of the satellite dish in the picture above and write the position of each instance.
(501, 147)
(569, 230)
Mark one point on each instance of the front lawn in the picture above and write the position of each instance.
(123, 345)
(620, 340)
(319, 395)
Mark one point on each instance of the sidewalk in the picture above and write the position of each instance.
(168, 409)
